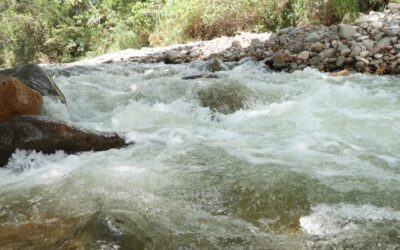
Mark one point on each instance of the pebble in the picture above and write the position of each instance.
(359, 66)
(368, 44)
(236, 45)
(346, 31)
(362, 59)
(317, 47)
(340, 61)
(312, 38)
(384, 42)
(364, 53)
(304, 55)
(356, 50)
(345, 52)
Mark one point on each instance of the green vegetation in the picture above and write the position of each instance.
(65, 30)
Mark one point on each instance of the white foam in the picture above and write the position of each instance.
(341, 133)
(328, 220)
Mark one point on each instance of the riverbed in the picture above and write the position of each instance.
(311, 162)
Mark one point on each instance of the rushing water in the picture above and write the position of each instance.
(312, 162)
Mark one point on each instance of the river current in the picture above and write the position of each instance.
(311, 162)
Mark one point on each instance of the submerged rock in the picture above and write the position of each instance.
(215, 64)
(30, 234)
(279, 202)
(17, 99)
(224, 98)
(35, 133)
(278, 60)
(36, 78)
(109, 231)
(193, 77)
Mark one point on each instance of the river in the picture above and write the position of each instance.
(312, 162)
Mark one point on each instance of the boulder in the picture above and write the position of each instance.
(215, 64)
(356, 50)
(269, 61)
(345, 52)
(377, 25)
(236, 45)
(368, 44)
(392, 30)
(364, 53)
(383, 43)
(346, 31)
(36, 78)
(105, 229)
(297, 44)
(362, 59)
(173, 57)
(359, 66)
(327, 53)
(314, 60)
(18, 99)
(36, 133)
(224, 97)
(312, 37)
(279, 60)
(304, 55)
(317, 47)
(340, 61)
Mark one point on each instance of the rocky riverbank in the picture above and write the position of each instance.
(370, 45)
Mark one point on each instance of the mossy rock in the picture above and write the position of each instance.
(108, 230)
(225, 97)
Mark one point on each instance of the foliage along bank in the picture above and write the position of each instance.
(66, 30)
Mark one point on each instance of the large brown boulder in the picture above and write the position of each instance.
(17, 99)
(36, 78)
(35, 133)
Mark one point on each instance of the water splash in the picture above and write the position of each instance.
(308, 159)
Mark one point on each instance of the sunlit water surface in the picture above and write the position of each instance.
(312, 162)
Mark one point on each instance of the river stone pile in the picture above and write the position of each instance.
(370, 45)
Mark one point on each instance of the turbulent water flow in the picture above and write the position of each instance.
(311, 162)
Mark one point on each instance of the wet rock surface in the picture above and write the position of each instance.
(36, 78)
(108, 231)
(224, 97)
(35, 133)
(17, 99)
(215, 64)
(197, 76)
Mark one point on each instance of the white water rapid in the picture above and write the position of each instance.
(312, 162)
